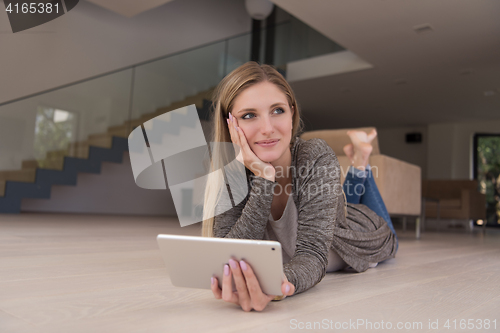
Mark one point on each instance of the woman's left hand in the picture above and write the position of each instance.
(248, 293)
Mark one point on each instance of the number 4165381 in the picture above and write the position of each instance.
(32, 8)
(471, 324)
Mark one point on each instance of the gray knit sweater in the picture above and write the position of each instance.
(359, 239)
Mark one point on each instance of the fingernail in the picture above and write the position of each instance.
(287, 288)
(226, 270)
(212, 280)
(232, 263)
(237, 129)
(243, 265)
(230, 116)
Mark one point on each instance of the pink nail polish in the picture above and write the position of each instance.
(232, 263)
(230, 116)
(212, 280)
(226, 270)
(243, 265)
(287, 288)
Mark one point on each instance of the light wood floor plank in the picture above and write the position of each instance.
(79, 273)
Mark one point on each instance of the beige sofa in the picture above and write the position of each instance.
(399, 182)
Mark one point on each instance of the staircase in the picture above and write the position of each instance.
(61, 167)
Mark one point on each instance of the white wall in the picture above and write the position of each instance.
(446, 149)
(462, 146)
(392, 142)
(91, 40)
(440, 152)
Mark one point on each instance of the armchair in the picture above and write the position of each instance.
(454, 199)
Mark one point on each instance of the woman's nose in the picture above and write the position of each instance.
(267, 126)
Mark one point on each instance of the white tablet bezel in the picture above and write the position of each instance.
(191, 261)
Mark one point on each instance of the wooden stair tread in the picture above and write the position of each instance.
(48, 163)
(26, 175)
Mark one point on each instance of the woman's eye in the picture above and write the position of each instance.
(252, 115)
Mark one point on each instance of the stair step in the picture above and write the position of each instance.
(132, 123)
(24, 176)
(27, 176)
(79, 149)
(121, 131)
(148, 116)
(29, 164)
(56, 163)
(103, 140)
(52, 163)
(53, 154)
(78, 144)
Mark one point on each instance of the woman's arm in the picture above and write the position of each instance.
(248, 219)
(319, 194)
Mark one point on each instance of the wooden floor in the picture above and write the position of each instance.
(87, 273)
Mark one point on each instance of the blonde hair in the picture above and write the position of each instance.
(229, 88)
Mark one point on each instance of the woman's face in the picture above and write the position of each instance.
(265, 117)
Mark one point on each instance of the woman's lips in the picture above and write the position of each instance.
(267, 143)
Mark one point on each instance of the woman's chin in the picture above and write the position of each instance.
(268, 157)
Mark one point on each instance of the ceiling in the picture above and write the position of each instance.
(129, 8)
(417, 79)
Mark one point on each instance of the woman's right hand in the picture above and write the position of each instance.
(246, 154)
(248, 292)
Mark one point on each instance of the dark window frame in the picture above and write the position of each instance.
(474, 156)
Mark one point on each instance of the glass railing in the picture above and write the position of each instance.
(40, 130)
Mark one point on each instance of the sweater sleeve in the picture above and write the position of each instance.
(248, 219)
(318, 192)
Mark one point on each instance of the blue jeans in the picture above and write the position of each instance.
(359, 187)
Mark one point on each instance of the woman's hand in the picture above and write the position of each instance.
(246, 154)
(248, 293)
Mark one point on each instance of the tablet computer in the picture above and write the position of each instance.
(192, 261)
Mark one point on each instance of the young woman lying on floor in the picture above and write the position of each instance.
(295, 195)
